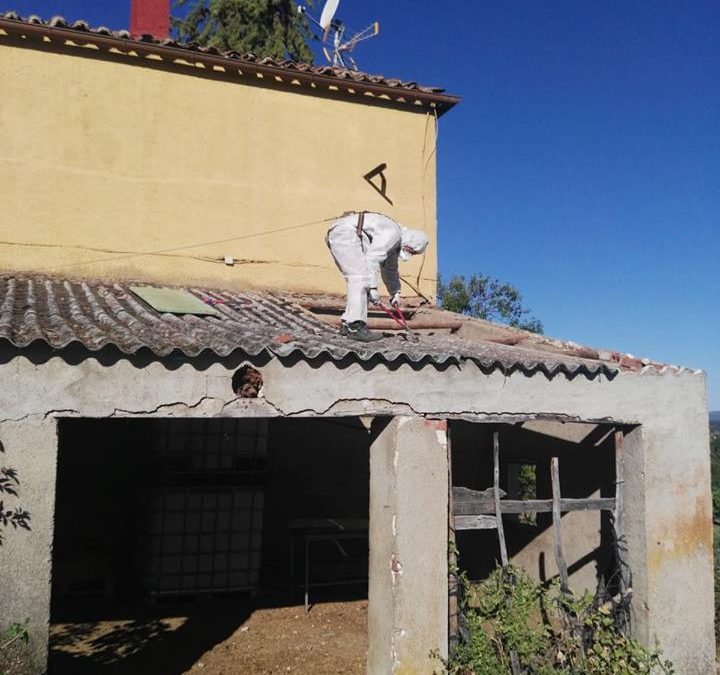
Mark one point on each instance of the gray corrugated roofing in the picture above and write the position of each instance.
(96, 314)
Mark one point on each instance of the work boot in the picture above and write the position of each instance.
(358, 330)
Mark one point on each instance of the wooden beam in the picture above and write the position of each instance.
(390, 324)
(557, 527)
(496, 488)
(514, 659)
(619, 511)
(482, 505)
(453, 582)
(329, 306)
(475, 522)
(474, 502)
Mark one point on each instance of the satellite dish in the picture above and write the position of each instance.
(328, 13)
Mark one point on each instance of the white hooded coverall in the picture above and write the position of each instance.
(363, 259)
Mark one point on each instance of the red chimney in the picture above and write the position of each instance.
(151, 17)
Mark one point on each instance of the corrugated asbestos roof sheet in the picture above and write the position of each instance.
(341, 75)
(96, 314)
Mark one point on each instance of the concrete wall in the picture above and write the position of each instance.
(668, 516)
(103, 159)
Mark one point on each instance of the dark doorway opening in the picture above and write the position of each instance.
(181, 541)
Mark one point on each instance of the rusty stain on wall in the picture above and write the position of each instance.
(689, 534)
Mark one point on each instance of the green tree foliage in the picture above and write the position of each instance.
(486, 298)
(271, 28)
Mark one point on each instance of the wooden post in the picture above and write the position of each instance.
(453, 601)
(496, 492)
(619, 511)
(557, 526)
(514, 660)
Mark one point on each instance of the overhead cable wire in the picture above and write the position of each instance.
(190, 246)
(171, 253)
(422, 186)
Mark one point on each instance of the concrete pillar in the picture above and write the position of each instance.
(29, 447)
(668, 519)
(408, 589)
(635, 498)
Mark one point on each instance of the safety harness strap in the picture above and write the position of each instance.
(360, 223)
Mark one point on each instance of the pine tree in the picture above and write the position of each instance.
(271, 28)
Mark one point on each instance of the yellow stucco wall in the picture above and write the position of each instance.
(101, 160)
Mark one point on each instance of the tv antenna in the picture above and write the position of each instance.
(338, 49)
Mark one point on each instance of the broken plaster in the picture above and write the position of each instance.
(396, 568)
(384, 407)
(363, 407)
(65, 412)
(169, 407)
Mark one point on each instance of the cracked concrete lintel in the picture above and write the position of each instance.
(344, 407)
(211, 406)
(372, 407)
(302, 391)
(39, 416)
(207, 405)
(517, 417)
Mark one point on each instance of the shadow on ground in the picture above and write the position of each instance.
(170, 637)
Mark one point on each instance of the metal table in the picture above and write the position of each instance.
(323, 529)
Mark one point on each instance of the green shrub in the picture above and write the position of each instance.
(549, 632)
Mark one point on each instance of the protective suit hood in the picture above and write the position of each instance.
(414, 239)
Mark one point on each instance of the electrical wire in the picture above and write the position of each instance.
(172, 253)
(167, 251)
(425, 167)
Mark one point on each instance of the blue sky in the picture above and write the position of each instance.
(583, 163)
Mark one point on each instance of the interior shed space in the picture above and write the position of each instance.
(585, 455)
(238, 544)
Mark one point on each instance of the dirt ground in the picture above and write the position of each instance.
(216, 638)
(14, 660)
(331, 639)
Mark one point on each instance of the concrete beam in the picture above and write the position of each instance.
(408, 590)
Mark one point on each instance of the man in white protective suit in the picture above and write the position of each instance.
(366, 245)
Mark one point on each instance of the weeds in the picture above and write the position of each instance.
(551, 633)
(15, 632)
(14, 653)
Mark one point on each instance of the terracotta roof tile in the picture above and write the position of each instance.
(435, 94)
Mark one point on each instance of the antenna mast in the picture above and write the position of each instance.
(339, 51)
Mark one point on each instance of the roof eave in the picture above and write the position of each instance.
(399, 96)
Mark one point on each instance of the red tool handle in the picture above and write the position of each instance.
(399, 318)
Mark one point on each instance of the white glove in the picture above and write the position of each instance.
(373, 296)
(395, 299)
